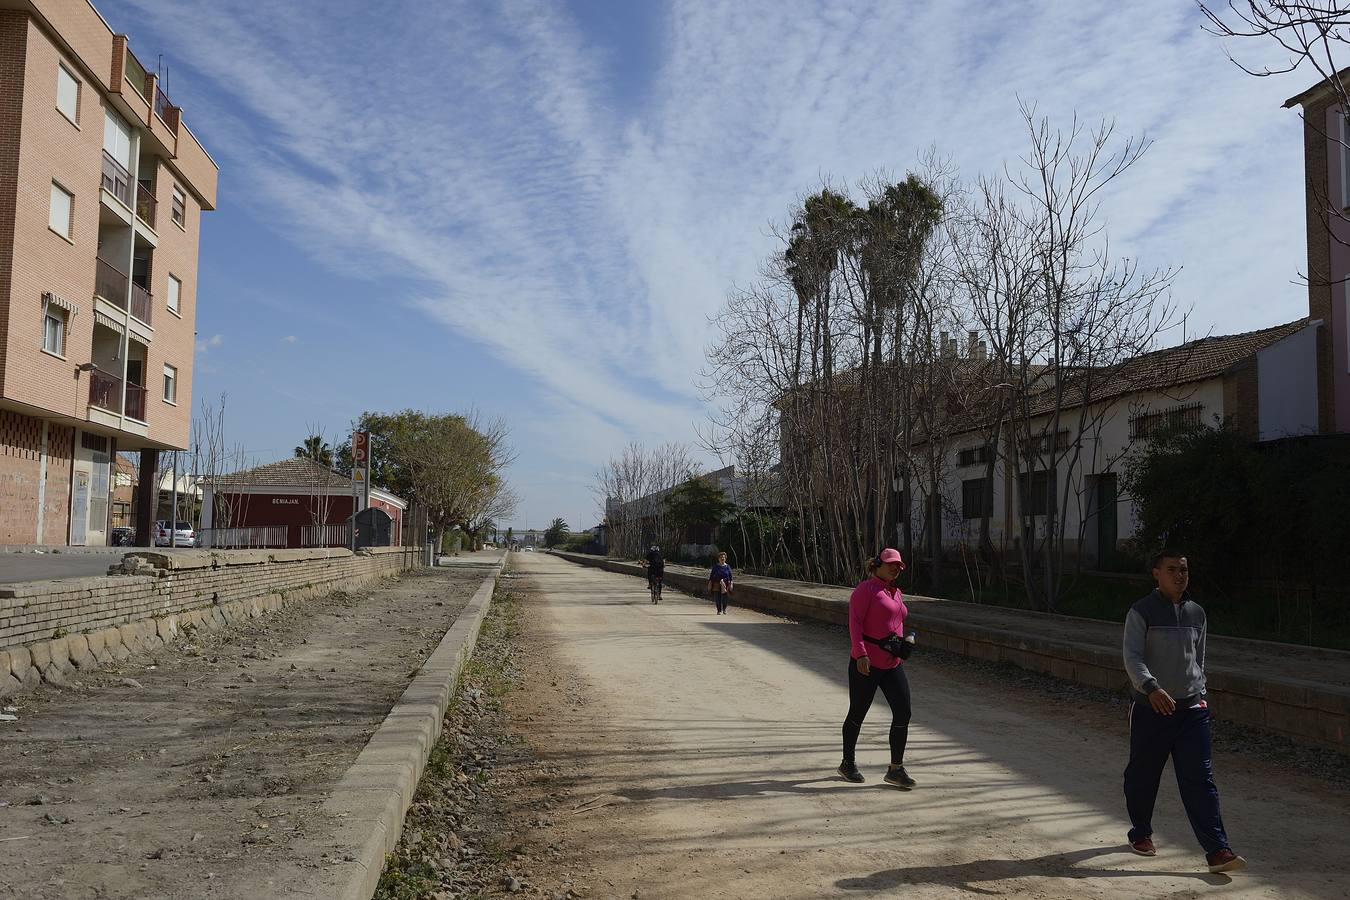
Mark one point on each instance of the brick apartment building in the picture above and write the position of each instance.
(102, 187)
(1326, 165)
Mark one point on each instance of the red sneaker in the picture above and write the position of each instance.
(1144, 847)
(1225, 860)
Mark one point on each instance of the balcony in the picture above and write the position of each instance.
(146, 204)
(105, 392)
(113, 285)
(116, 179)
(135, 402)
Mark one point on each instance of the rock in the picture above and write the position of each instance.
(156, 854)
(38, 800)
(512, 884)
(130, 682)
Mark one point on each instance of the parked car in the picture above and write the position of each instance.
(529, 549)
(183, 534)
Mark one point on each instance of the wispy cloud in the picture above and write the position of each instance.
(475, 156)
(290, 339)
(214, 340)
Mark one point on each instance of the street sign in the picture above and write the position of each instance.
(361, 468)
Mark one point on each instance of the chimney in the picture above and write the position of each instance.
(983, 351)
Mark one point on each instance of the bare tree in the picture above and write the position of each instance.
(1088, 315)
(221, 467)
(632, 488)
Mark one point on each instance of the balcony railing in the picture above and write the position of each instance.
(111, 283)
(146, 204)
(136, 75)
(141, 303)
(163, 108)
(116, 179)
(105, 391)
(135, 402)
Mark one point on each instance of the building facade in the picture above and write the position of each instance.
(1263, 383)
(102, 187)
(1326, 163)
(289, 503)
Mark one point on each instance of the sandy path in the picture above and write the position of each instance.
(202, 781)
(713, 741)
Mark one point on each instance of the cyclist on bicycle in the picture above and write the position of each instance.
(656, 570)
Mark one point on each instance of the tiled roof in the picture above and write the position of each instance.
(297, 471)
(1198, 360)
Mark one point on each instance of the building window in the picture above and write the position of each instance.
(170, 383)
(1041, 443)
(973, 456)
(54, 329)
(179, 207)
(67, 94)
(1182, 417)
(60, 216)
(977, 498)
(117, 139)
(175, 294)
(1036, 492)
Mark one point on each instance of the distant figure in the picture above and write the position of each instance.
(656, 570)
(719, 583)
(876, 619)
(1165, 657)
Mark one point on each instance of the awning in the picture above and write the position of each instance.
(56, 300)
(108, 322)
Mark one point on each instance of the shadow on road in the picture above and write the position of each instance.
(966, 875)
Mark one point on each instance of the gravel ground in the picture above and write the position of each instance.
(191, 774)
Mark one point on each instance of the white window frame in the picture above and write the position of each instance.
(72, 114)
(53, 313)
(69, 226)
(171, 384)
(174, 295)
(178, 194)
(117, 138)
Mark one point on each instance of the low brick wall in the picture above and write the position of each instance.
(1311, 712)
(50, 628)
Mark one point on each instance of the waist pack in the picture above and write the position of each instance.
(893, 644)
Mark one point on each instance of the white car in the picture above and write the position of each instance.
(183, 535)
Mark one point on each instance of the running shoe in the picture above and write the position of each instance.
(1225, 860)
(897, 776)
(1144, 847)
(850, 772)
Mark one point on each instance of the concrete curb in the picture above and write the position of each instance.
(373, 795)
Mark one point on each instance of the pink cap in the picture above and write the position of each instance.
(890, 555)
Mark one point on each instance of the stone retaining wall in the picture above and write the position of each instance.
(48, 629)
(1310, 712)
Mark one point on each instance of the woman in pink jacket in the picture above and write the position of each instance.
(875, 610)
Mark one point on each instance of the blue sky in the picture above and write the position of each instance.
(532, 209)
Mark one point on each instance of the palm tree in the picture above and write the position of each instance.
(554, 534)
(317, 449)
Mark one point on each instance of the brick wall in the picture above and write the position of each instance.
(1319, 251)
(49, 627)
(13, 39)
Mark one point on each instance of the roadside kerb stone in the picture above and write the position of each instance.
(1308, 711)
(371, 800)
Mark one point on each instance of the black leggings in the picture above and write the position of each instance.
(721, 601)
(861, 690)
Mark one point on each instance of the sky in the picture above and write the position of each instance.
(532, 209)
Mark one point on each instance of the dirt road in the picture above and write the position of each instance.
(701, 753)
(196, 773)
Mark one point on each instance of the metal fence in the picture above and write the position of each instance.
(339, 535)
(243, 538)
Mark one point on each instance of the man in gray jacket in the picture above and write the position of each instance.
(1165, 658)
